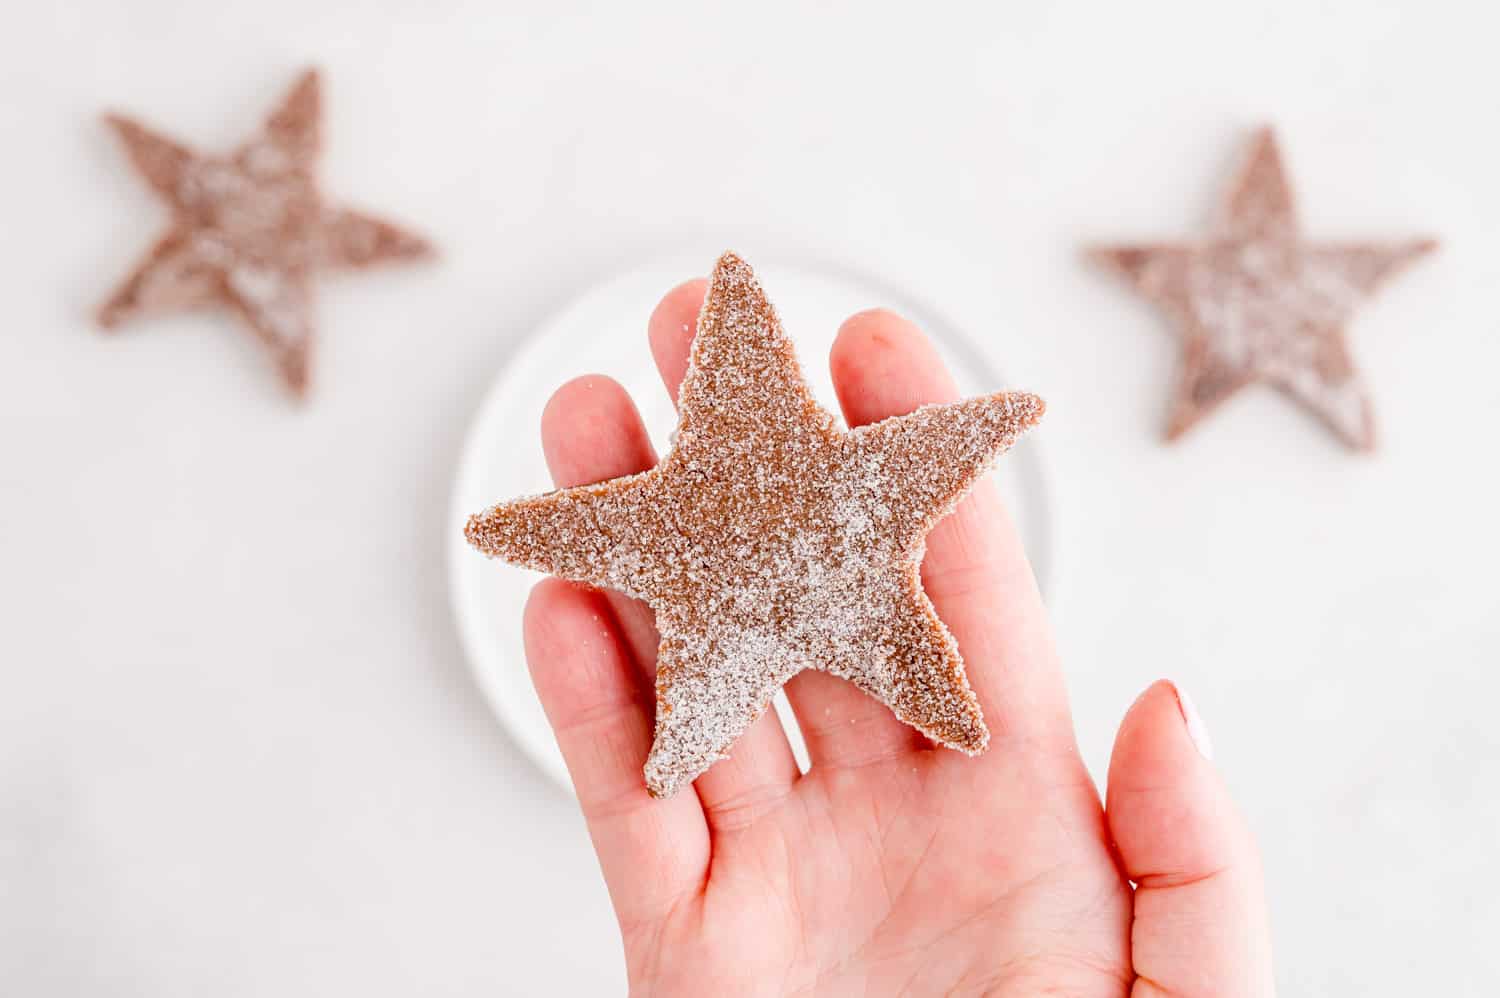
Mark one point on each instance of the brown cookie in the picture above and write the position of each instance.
(250, 230)
(1255, 302)
(770, 540)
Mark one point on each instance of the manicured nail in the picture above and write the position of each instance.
(1196, 729)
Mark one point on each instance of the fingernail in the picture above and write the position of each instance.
(1196, 729)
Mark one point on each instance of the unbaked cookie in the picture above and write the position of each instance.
(250, 230)
(1256, 302)
(770, 540)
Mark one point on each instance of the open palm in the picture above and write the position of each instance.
(891, 867)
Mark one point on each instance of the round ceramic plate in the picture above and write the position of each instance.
(604, 331)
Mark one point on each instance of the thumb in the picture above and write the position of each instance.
(1200, 924)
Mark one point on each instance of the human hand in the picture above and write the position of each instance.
(891, 867)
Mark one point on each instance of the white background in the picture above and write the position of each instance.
(240, 753)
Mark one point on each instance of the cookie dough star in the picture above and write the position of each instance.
(250, 230)
(770, 540)
(1256, 302)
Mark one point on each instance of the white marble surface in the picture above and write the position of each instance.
(240, 753)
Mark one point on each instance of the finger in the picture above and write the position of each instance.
(975, 571)
(651, 851)
(760, 768)
(1200, 920)
(591, 432)
(671, 331)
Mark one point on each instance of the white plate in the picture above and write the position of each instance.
(604, 331)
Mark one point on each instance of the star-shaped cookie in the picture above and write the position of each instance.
(769, 540)
(250, 230)
(1256, 302)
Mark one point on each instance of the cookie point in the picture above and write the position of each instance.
(972, 736)
(731, 264)
(661, 785)
(298, 382)
(474, 532)
(295, 366)
(1033, 407)
(1022, 409)
(1099, 255)
(310, 76)
(419, 248)
(1126, 261)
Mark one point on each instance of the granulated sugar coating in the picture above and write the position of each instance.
(770, 540)
(249, 231)
(1257, 303)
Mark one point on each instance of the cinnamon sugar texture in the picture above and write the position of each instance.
(1255, 302)
(250, 230)
(770, 540)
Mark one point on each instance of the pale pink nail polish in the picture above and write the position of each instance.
(1196, 729)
